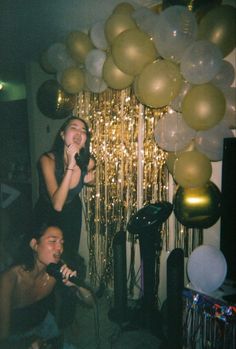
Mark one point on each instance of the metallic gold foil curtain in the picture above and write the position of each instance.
(130, 167)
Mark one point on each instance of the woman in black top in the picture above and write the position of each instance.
(62, 173)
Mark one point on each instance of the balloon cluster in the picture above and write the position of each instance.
(173, 57)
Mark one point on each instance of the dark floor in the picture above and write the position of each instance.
(93, 329)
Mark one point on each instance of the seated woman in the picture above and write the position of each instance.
(25, 289)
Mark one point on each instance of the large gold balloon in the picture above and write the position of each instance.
(116, 24)
(198, 207)
(132, 50)
(203, 106)
(159, 83)
(219, 27)
(53, 101)
(78, 45)
(192, 169)
(114, 77)
(72, 80)
(173, 156)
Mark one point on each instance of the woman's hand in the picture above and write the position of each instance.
(66, 274)
(71, 151)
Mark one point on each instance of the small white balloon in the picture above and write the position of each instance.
(94, 62)
(206, 268)
(95, 84)
(58, 57)
(201, 62)
(172, 133)
(210, 142)
(97, 35)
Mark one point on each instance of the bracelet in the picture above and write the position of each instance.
(69, 169)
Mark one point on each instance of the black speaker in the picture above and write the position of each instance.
(175, 285)
(228, 213)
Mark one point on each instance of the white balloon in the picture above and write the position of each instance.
(94, 62)
(175, 30)
(172, 133)
(225, 76)
(97, 35)
(210, 142)
(145, 19)
(230, 112)
(58, 57)
(206, 268)
(201, 62)
(94, 84)
(176, 104)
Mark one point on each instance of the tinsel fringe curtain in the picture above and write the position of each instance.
(130, 173)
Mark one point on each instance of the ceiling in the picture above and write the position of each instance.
(27, 27)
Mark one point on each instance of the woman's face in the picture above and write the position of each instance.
(76, 133)
(49, 247)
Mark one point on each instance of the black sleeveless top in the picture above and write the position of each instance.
(26, 318)
(59, 173)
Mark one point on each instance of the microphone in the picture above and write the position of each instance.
(53, 269)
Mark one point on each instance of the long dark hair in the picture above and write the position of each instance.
(25, 255)
(58, 145)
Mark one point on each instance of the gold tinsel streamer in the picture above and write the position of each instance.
(113, 117)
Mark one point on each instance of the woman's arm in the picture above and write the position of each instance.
(7, 286)
(58, 192)
(89, 178)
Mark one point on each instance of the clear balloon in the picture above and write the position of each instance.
(203, 106)
(176, 103)
(78, 45)
(145, 19)
(95, 84)
(192, 169)
(158, 84)
(58, 57)
(97, 35)
(94, 62)
(206, 268)
(72, 80)
(210, 142)
(198, 207)
(114, 77)
(175, 30)
(201, 62)
(230, 112)
(116, 24)
(225, 76)
(172, 133)
(132, 50)
(219, 26)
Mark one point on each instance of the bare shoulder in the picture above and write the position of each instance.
(47, 159)
(9, 277)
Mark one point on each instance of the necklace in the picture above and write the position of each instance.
(46, 280)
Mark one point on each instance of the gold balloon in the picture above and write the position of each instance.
(78, 45)
(203, 106)
(159, 83)
(219, 27)
(192, 169)
(72, 80)
(53, 101)
(116, 24)
(114, 77)
(132, 50)
(198, 207)
(124, 7)
(172, 156)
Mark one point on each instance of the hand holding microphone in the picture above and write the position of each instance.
(61, 272)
